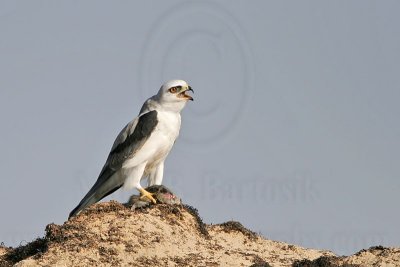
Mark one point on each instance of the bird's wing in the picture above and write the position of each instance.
(128, 142)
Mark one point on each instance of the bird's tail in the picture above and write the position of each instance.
(101, 189)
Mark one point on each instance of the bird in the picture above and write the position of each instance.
(140, 149)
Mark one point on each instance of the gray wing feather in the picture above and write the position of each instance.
(128, 142)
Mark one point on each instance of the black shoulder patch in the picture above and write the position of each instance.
(145, 126)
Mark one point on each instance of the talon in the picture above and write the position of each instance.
(148, 195)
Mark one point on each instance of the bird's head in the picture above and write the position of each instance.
(173, 94)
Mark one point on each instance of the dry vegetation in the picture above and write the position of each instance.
(110, 234)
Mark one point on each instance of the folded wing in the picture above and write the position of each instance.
(128, 142)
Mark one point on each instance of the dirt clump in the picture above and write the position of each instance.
(111, 234)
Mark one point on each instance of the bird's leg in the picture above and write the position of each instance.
(156, 175)
(148, 195)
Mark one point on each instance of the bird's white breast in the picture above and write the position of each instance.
(159, 144)
(169, 123)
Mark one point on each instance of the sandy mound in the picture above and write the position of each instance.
(109, 234)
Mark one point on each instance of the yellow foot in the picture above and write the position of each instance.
(148, 195)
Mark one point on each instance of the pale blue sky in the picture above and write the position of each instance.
(294, 130)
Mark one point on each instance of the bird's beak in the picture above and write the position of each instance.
(183, 94)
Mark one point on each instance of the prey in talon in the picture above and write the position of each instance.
(160, 193)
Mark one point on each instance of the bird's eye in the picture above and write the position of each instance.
(173, 90)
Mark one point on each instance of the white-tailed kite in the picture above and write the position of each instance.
(141, 147)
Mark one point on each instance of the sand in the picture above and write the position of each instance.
(110, 234)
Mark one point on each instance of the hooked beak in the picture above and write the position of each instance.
(184, 95)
